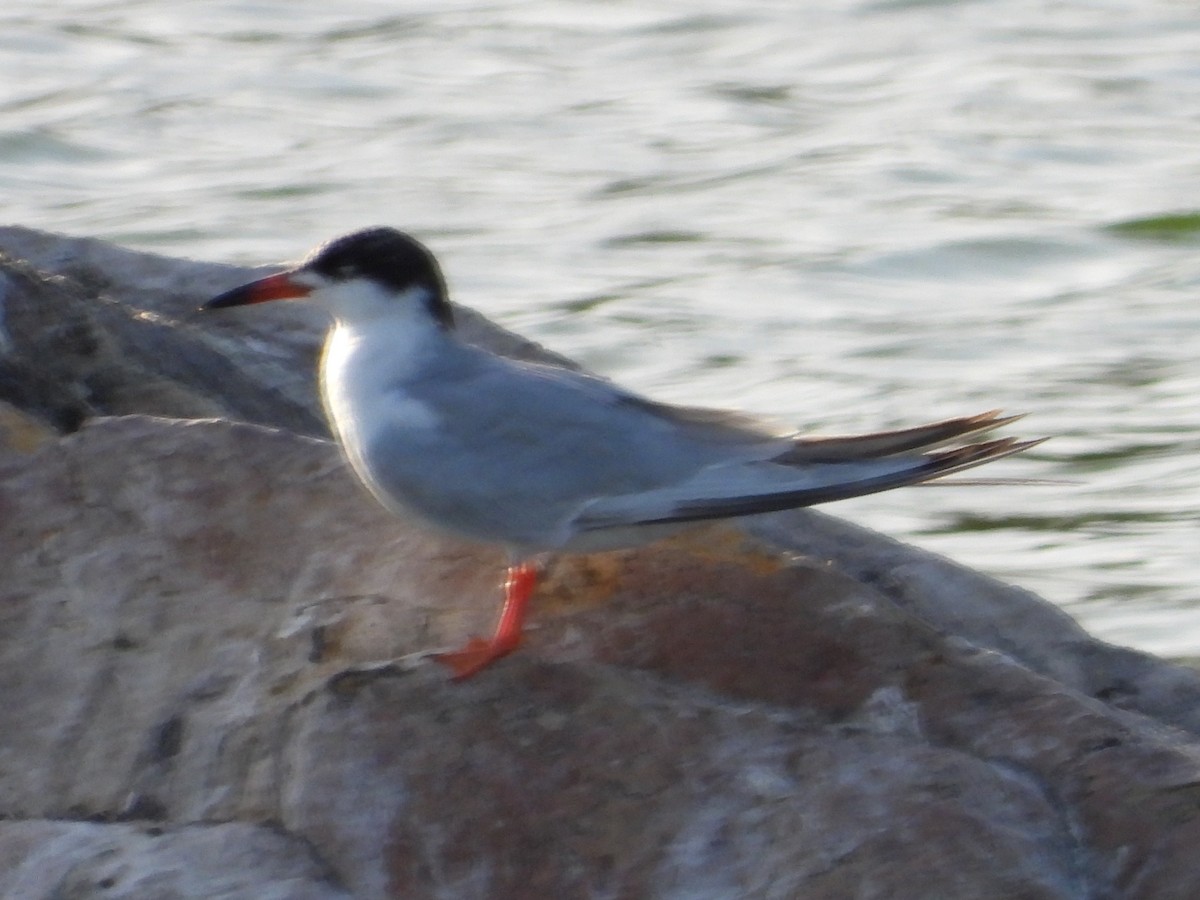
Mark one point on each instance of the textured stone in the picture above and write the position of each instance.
(43, 860)
(202, 622)
(211, 658)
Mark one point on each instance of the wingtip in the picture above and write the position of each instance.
(996, 418)
(875, 445)
(968, 456)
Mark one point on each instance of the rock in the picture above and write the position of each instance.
(211, 650)
(990, 614)
(42, 860)
(21, 432)
(82, 340)
(187, 643)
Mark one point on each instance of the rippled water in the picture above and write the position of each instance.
(846, 215)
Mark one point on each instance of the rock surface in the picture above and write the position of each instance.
(210, 646)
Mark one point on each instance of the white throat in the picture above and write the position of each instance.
(368, 369)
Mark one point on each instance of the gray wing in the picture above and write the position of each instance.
(547, 439)
(755, 488)
(532, 455)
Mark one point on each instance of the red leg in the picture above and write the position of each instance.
(478, 653)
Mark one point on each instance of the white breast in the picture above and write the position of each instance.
(364, 369)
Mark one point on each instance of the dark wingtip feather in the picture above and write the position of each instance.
(839, 448)
(925, 468)
(956, 459)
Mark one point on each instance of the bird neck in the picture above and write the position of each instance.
(393, 347)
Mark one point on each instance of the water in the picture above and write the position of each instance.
(846, 215)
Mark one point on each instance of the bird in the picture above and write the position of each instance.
(540, 458)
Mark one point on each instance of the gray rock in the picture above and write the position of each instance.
(210, 657)
(43, 860)
(962, 602)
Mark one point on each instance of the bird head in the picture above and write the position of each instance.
(368, 273)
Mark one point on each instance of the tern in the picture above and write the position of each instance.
(540, 458)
